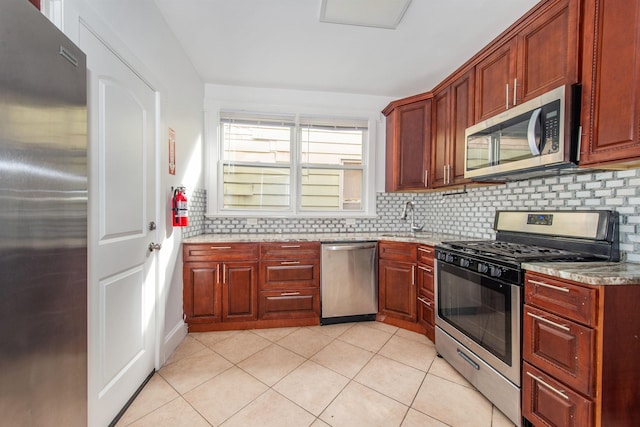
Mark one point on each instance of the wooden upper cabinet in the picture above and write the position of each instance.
(495, 76)
(540, 56)
(408, 146)
(611, 84)
(452, 113)
(548, 50)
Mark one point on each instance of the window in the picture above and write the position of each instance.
(292, 164)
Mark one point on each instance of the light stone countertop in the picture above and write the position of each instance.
(592, 273)
(420, 237)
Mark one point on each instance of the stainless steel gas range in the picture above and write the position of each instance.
(479, 291)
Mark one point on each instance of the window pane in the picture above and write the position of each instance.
(256, 143)
(254, 187)
(331, 146)
(331, 189)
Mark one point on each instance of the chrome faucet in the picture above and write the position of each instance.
(411, 205)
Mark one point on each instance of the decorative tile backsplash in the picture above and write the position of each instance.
(469, 214)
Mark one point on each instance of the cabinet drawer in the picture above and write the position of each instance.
(427, 309)
(425, 254)
(289, 274)
(220, 251)
(547, 402)
(563, 298)
(398, 251)
(560, 347)
(289, 304)
(425, 279)
(290, 250)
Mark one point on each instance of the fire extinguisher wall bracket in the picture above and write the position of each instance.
(179, 207)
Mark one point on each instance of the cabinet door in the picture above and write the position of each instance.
(494, 81)
(440, 139)
(202, 292)
(397, 289)
(548, 50)
(611, 83)
(462, 107)
(546, 402)
(239, 291)
(426, 316)
(408, 146)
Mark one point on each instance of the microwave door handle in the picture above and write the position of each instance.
(531, 132)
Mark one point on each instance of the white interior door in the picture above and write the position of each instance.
(122, 204)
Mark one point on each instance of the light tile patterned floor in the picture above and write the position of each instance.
(353, 374)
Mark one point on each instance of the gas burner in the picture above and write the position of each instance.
(512, 251)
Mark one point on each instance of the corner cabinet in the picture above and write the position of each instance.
(611, 84)
(220, 282)
(408, 146)
(397, 269)
(452, 113)
(580, 350)
(540, 55)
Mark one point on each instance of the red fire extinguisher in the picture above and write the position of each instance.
(179, 207)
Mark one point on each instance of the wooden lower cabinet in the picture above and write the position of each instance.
(289, 281)
(218, 286)
(580, 350)
(397, 281)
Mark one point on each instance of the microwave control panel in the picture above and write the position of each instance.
(551, 128)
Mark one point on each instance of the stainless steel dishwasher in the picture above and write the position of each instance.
(348, 282)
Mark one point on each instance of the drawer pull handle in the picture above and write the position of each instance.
(424, 250)
(220, 247)
(289, 246)
(549, 386)
(289, 262)
(427, 269)
(413, 275)
(546, 285)
(542, 319)
(424, 301)
(289, 294)
(468, 359)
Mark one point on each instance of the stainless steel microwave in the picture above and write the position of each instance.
(532, 139)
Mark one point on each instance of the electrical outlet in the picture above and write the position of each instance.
(252, 221)
(350, 221)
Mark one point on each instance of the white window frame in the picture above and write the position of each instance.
(214, 167)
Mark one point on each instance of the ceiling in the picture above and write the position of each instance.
(283, 44)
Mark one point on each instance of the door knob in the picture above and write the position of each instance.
(154, 247)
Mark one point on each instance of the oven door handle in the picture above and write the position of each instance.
(468, 359)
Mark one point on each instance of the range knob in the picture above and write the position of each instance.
(495, 271)
(482, 268)
(441, 256)
(449, 258)
(464, 262)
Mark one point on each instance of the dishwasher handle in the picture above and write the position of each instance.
(348, 247)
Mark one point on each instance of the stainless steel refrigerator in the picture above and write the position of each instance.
(43, 222)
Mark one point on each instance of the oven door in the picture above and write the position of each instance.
(483, 314)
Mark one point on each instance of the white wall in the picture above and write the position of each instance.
(137, 32)
(265, 100)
